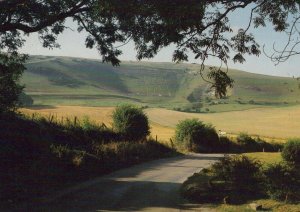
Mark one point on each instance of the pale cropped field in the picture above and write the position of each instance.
(277, 123)
(266, 122)
(98, 114)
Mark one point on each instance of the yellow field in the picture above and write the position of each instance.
(163, 133)
(98, 114)
(272, 122)
(277, 123)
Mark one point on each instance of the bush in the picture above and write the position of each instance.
(227, 145)
(240, 173)
(281, 182)
(248, 144)
(291, 151)
(197, 105)
(245, 139)
(252, 102)
(238, 179)
(177, 109)
(121, 154)
(197, 189)
(193, 135)
(231, 180)
(131, 122)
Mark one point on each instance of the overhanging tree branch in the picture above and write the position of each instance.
(48, 22)
(200, 27)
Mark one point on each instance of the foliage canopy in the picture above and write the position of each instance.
(131, 122)
(193, 135)
(11, 68)
(291, 151)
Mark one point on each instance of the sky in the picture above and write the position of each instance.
(72, 44)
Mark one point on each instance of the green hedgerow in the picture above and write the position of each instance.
(194, 135)
(233, 180)
(236, 170)
(131, 122)
(291, 151)
(281, 182)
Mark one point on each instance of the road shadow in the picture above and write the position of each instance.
(114, 195)
(134, 171)
(203, 156)
(153, 184)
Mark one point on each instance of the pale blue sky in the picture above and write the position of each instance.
(72, 44)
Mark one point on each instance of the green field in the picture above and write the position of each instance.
(84, 82)
(266, 158)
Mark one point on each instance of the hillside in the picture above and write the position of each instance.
(75, 81)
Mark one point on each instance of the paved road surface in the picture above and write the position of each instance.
(151, 186)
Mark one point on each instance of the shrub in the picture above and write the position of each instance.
(249, 144)
(197, 105)
(227, 145)
(122, 154)
(231, 180)
(193, 135)
(281, 182)
(187, 109)
(131, 122)
(245, 139)
(291, 151)
(239, 173)
(177, 108)
(197, 189)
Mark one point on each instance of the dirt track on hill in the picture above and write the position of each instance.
(152, 186)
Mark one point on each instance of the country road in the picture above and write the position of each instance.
(152, 186)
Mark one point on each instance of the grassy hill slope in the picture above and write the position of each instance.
(75, 81)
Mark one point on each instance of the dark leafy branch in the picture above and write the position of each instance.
(11, 69)
(198, 27)
(291, 48)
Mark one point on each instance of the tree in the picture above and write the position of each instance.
(11, 68)
(131, 122)
(193, 135)
(200, 27)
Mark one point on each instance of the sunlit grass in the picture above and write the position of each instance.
(265, 157)
(272, 125)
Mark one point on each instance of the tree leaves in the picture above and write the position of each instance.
(201, 28)
(11, 68)
(221, 81)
